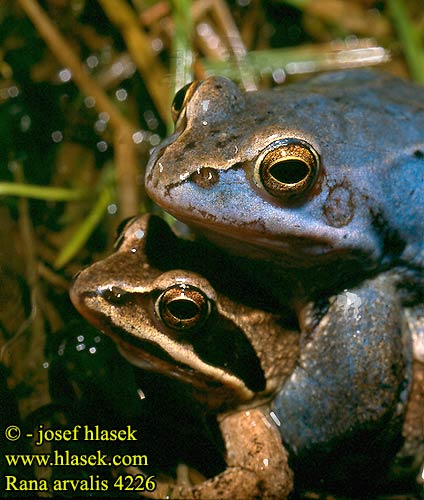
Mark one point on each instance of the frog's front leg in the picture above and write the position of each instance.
(257, 463)
(341, 410)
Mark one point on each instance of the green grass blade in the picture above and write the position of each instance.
(85, 230)
(45, 193)
(412, 44)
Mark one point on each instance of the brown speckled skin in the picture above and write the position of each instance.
(413, 428)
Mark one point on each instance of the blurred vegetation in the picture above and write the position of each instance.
(85, 92)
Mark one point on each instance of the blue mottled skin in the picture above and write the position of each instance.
(365, 210)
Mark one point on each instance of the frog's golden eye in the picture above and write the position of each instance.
(181, 97)
(182, 307)
(288, 167)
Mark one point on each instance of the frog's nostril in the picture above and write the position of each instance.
(205, 177)
(115, 295)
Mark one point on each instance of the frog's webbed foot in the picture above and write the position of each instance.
(257, 464)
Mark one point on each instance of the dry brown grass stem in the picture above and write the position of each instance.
(140, 47)
(66, 55)
(123, 128)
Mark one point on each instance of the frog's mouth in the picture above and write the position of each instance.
(290, 251)
(294, 243)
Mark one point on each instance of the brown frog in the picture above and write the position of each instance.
(233, 356)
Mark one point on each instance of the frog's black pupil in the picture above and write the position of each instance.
(289, 171)
(183, 309)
